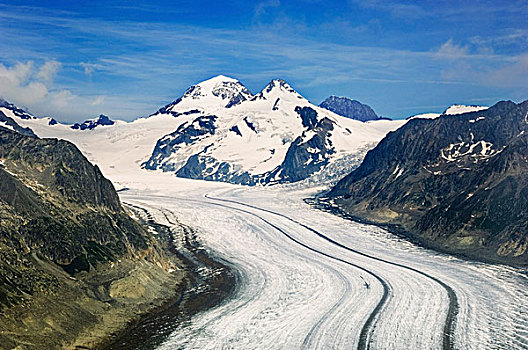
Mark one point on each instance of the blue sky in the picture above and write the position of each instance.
(126, 59)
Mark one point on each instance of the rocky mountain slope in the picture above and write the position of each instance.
(458, 183)
(66, 245)
(349, 108)
(9, 124)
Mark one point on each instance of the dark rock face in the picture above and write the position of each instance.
(306, 155)
(250, 125)
(58, 207)
(308, 117)
(233, 92)
(457, 183)
(186, 134)
(200, 166)
(17, 111)
(349, 108)
(238, 98)
(91, 124)
(7, 121)
(236, 130)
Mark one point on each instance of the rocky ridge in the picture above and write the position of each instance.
(456, 183)
(73, 263)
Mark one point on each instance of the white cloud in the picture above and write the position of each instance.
(89, 68)
(450, 50)
(32, 87)
(99, 100)
(262, 6)
(17, 74)
(16, 84)
(48, 71)
(61, 99)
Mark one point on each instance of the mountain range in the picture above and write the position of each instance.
(228, 134)
(218, 130)
(71, 254)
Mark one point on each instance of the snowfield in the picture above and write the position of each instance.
(452, 110)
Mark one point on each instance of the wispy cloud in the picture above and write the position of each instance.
(99, 100)
(514, 75)
(395, 8)
(89, 68)
(144, 65)
(449, 50)
(262, 6)
(48, 71)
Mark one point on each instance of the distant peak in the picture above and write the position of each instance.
(218, 79)
(333, 98)
(6, 104)
(104, 120)
(217, 92)
(278, 83)
(91, 124)
(349, 108)
(20, 112)
(460, 109)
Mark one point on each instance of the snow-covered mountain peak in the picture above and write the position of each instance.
(275, 137)
(278, 88)
(219, 79)
(11, 108)
(460, 109)
(452, 110)
(217, 92)
(215, 132)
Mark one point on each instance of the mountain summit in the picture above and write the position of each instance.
(349, 108)
(277, 88)
(91, 124)
(217, 92)
(460, 109)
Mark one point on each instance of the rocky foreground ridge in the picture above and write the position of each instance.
(74, 266)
